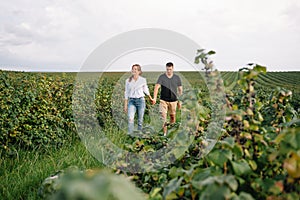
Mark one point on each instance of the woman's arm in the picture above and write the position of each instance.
(146, 91)
(126, 94)
(126, 105)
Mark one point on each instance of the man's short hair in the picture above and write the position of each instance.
(169, 64)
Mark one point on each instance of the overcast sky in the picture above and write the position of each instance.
(59, 35)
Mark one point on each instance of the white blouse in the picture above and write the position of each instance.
(136, 89)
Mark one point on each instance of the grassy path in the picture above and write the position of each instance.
(22, 175)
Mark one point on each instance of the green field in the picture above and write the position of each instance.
(256, 156)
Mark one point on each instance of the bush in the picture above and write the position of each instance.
(35, 110)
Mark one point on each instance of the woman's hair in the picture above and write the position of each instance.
(138, 68)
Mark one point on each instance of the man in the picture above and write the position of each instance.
(171, 87)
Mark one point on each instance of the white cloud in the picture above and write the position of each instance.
(46, 34)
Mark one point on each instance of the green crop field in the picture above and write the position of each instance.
(256, 153)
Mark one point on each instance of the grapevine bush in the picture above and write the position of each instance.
(35, 111)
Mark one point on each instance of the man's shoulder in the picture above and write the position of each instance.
(176, 76)
(162, 76)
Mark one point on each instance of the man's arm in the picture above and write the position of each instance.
(156, 88)
(179, 94)
(180, 90)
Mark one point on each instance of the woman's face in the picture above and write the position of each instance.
(135, 70)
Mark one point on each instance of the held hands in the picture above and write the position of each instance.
(153, 101)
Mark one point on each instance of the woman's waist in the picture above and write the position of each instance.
(137, 97)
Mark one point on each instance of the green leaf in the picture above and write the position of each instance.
(172, 186)
(123, 189)
(75, 184)
(279, 138)
(228, 142)
(201, 174)
(244, 196)
(220, 156)
(200, 51)
(228, 180)
(260, 68)
(211, 52)
(200, 184)
(291, 139)
(238, 151)
(190, 171)
(241, 167)
(179, 151)
(175, 172)
(215, 192)
(231, 182)
(197, 60)
(155, 192)
(253, 164)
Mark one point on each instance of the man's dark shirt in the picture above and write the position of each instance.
(169, 87)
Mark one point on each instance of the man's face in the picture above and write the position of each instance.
(169, 70)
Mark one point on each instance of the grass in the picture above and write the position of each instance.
(21, 176)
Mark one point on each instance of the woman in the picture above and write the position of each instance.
(135, 90)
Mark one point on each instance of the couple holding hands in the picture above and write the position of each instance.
(136, 87)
